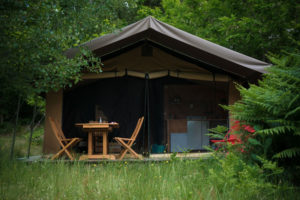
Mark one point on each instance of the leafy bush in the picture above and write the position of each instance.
(273, 108)
(218, 132)
(248, 179)
(6, 128)
(37, 136)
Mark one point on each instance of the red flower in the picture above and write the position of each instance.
(249, 128)
(236, 126)
(233, 135)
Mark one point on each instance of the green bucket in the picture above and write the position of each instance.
(157, 148)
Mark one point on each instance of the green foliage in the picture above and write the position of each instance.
(251, 27)
(218, 132)
(273, 106)
(34, 36)
(21, 143)
(37, 136)
(173, 156)
(6, 128)
(288, 153)
(232, 171)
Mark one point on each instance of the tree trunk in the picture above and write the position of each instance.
(1, 119)
(15, 128)
(31, 129)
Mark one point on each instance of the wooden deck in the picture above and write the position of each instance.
(128, 158)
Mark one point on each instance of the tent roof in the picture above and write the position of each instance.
(151, 29)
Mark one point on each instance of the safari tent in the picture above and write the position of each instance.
(173, 78)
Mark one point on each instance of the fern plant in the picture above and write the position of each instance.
(273, 107)
(218, 132)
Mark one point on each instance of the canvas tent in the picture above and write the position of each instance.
(173, 78)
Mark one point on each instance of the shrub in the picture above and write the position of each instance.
(273, 108)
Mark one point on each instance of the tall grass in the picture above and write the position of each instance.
(214, 178)
(21, 143)
(191, 179)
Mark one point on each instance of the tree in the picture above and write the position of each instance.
(34, 36)
(254, 27)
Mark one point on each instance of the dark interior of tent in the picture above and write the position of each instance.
(167, 103)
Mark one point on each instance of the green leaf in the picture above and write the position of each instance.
(267, 144)
(255, 157)
(293, 112)
(254, 141)
(288, 153)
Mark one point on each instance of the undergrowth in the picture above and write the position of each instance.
(218, 177)
(22, 139)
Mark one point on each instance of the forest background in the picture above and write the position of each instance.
(34, 35)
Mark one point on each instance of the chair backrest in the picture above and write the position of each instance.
(57, 130)
(136, 130)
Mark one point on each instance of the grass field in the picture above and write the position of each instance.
(213, 178)
(191, 179)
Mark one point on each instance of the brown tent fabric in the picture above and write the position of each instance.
(179, 41)
(158, 61)
(159, 64)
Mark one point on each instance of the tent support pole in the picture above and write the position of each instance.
(144, 124)
(148, 111)
(146, 114)
(215, 95)
(228, 114)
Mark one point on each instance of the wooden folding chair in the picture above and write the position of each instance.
(65, 143)
(126, 143)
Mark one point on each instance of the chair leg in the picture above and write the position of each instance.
(123, 151)
(65, 149)
(134, 153)
(128, 148)
(57, 155)
(69, 154)
(72, 143)
(123, 154)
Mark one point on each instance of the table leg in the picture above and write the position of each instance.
(104, 134)
(90, 143)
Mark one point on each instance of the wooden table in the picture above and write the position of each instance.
(103, 129)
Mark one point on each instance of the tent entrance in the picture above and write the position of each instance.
(163, 102)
